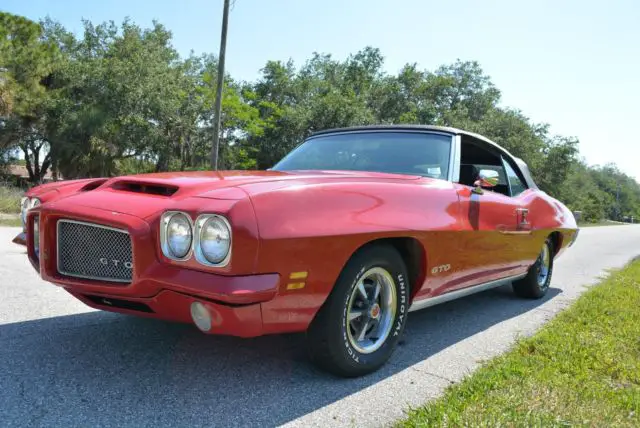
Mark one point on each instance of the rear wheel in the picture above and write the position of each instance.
(357, 329)
(536, 283)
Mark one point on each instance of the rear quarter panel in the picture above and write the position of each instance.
(548, 215)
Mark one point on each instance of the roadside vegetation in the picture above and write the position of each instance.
(10, 221)
(581, 369)
(10, 199)
(604, 223)
(116, 99)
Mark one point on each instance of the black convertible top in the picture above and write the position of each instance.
(524, 169)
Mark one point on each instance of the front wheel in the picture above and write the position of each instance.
(357, 329)
(536, 283)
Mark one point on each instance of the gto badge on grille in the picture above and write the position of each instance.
(116, 263)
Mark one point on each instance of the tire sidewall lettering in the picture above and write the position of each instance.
(398, 324)
(402, 301)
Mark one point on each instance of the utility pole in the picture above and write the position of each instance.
(218, 105)
(618, 210)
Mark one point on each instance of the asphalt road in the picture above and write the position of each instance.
(63, 364)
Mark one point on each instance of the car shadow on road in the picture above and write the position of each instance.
(100, 368)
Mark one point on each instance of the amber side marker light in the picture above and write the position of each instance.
(297, 285)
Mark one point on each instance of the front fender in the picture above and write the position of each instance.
(310, 232)
(49, 192)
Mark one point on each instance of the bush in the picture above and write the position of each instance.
(10, 199)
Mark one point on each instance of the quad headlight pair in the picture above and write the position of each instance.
(208, 238)
(25, 205)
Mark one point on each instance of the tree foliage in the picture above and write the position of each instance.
(27, 62)
(119, 99)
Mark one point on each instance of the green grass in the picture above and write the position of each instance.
(10, 222)
(582, 368)
(10, 199)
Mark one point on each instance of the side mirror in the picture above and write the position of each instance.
(486, 178)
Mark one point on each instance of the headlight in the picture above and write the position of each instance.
(213, 240)
(25, 203)
(176, 235)
(36, 236)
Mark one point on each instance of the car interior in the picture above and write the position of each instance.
(475, 157)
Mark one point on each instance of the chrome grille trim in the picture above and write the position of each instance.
(92, 277)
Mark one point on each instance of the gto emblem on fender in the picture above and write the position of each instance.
(440, 269)
(116, 263)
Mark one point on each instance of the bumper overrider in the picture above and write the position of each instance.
(20, 239)
(159, 288)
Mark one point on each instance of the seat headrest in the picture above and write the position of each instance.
(468, 174)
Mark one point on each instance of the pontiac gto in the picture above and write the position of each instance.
(346, 235)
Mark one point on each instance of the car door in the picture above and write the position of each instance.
(494, 231)
(528, 245)
(516, 188)
(491, 238)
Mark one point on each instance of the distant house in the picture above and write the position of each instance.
(19, 175)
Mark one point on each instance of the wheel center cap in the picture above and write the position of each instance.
(374, 312)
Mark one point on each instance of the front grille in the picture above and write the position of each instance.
(92, 251)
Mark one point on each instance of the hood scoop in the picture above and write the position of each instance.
(93, 185)
(145, 188)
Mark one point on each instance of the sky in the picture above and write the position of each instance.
(572, 64)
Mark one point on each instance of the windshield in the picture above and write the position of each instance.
(410, 153)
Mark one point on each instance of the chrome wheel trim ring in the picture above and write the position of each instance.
(544, 266)
(371, 310)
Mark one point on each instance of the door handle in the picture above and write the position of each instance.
(522, 214)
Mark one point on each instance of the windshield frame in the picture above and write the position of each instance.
(454, 150)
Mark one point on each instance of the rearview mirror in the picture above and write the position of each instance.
(487, 178)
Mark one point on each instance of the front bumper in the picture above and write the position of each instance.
(169, 305)
(157, 290)
(234, 301)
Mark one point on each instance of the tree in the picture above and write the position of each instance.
(119, 99)
(27, 62)
(122, 89)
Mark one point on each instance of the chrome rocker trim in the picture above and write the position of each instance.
(453, 295)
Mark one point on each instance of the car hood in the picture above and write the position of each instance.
(219, 179)
(145, 194)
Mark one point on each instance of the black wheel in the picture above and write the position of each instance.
(358, 327)
(536, 283)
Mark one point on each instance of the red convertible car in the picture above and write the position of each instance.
(346, 235)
